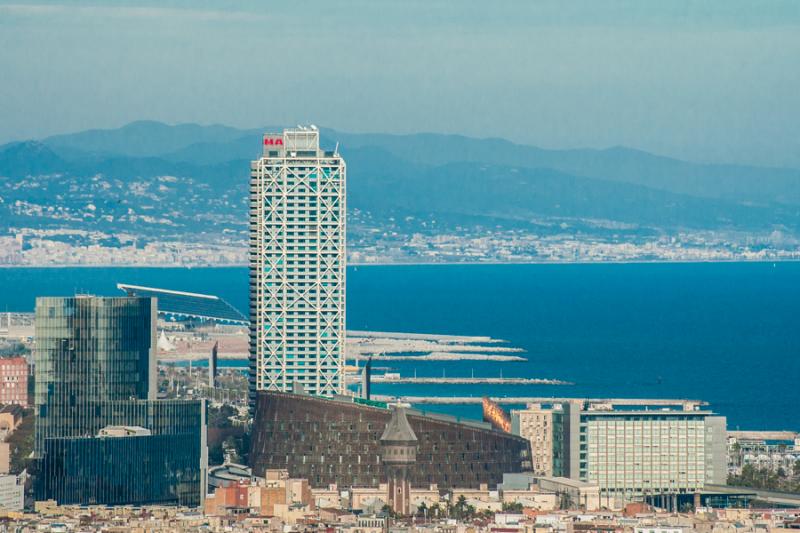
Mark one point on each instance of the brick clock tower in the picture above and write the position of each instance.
(399, 455)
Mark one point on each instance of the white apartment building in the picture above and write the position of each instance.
(542, 426)
(12, 491)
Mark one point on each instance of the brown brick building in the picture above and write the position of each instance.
(337, 441)
(14, 381)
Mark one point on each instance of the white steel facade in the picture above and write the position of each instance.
(297, 266)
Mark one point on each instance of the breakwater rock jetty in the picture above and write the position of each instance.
(393, 378)
(387, 346)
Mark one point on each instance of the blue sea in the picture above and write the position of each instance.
(727, 333)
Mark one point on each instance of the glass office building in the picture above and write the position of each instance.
(165, 467)
(90, 349)
(297, 266)
(95, 367)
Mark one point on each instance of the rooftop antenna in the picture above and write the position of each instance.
(336, 150)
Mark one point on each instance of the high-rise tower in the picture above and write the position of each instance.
(297, 266)
(101, 436)
(89, 350)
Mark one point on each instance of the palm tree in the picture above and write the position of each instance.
(460, 506)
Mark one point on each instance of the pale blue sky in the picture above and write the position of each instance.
(711, 80)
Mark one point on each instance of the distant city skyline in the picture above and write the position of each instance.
(702, 81)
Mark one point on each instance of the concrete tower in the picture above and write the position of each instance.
(399, 455)
(212, 365)
(297, 266)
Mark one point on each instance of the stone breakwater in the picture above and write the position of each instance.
(439, 356)
(387, 346)
(361, 345)
(467, 381)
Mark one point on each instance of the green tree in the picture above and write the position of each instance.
(460, 507)
(763, 478)
(388, 511)
(486, 514)
(219, 417)
(469, 512)
(215, 455)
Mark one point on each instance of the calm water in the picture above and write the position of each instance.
(728, 333)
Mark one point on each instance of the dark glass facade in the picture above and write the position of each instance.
(90, 350)
(161, 417)
(157, 469)
(168, 466)
(95, 367)
(330, 441)
(559, 453)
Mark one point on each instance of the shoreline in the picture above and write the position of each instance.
(437, 263)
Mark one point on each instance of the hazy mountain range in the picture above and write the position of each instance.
(189, 178)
